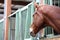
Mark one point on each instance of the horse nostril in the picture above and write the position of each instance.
(32, 34)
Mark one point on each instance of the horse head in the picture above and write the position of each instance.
(45, 15)
(37, 25)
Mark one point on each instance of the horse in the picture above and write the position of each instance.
(44, 16)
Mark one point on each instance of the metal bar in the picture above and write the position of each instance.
(58, 2)
(32, 12)
(54, 2)
(7, 11)
(51, 2)
(17, 27)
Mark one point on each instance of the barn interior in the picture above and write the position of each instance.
(16, 32)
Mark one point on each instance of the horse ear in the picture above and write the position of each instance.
(36, 5)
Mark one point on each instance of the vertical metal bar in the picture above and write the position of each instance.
(20, 38)
(51, 2)
(26, 25)
(58, 3)
(24, 15)
(17, 36)
(38, 1)
(32, 11)
(1, 31)
(20, 27)
(48, 2)
(28, 22)
(54, 2)
(12, 28)
(7, 11)
(9, 38)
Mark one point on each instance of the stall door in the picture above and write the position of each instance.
(23, 22)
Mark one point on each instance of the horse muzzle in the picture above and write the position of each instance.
(34, 30)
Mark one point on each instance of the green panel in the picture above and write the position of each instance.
(32, 12)
(20, 34)
(37, 1)
(48, 30)
(45, 2)
(23, 23)
(49, 2)
(1, 31)
(28, 22)
(56, 2)
(9, 38)
(59, 3)
(17, 36)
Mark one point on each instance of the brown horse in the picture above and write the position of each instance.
(45, 15)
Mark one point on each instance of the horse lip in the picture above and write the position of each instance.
(32, 34)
